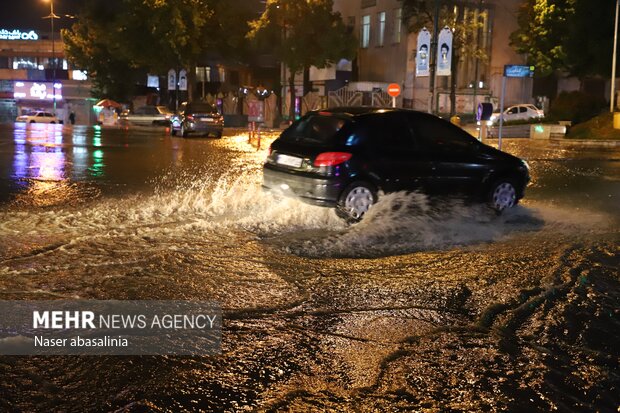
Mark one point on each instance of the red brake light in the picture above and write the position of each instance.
(332, 158)
(190, 117)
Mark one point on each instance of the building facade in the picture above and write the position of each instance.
(387, 54)
(35, 75)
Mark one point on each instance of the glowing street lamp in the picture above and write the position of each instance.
(52, 16)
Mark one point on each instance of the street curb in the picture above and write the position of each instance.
(565, 141)
(588, 142)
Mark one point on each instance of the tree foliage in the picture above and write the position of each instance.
(303, 33)
(114, 40)
(543, 24)
(575, 36)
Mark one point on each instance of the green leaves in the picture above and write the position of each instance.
(567, 35)
(303, 33)
(114, 39)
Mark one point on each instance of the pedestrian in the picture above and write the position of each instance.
(72, 117)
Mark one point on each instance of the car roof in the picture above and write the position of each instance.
(357, 111)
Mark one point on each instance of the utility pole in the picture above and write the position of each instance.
(476, 68)
(613, 64)
(433, 59)
(52, 16)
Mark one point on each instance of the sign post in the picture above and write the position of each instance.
(256, 110)
(510, 71)
(393, 90)
(485, 110)
(172, 85)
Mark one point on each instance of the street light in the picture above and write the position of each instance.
(52, 16)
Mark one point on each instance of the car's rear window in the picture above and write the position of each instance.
(315, 129)
(201, 108)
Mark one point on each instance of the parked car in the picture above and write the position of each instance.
(197, 117)
(519, 112)
(148, 115)
(344, 157)
(38, 117)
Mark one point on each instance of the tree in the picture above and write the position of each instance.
(465, 28)
(543, 24)
(88, 47)
(113, 39)
(574, 36)
(303, 33)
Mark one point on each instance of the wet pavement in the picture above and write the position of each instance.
(420, 307)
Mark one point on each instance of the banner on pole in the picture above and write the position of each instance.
(423, 53)
(444, 52)
(183, 79)
(172, 79)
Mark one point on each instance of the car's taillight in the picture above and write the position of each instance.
(190, 117)
(332, 158)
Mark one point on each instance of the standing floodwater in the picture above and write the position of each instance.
(420, 307)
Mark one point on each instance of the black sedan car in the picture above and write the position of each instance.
(344, 157)
(197, 117)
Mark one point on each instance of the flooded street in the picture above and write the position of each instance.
(422, 306)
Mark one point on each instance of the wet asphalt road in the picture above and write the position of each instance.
(417, 308)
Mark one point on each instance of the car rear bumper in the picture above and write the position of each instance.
(316, 191)
(203, 127)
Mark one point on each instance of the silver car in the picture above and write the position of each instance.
(147, 116)
(197, 117)
(519, 112)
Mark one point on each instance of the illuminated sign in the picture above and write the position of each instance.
(37, 90)
(518, 71)
(18, 35)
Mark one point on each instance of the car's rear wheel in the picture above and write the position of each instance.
(218, 135)
(355, 201)
(502, 195)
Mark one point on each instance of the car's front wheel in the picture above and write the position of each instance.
(503, 195)
(355, 201)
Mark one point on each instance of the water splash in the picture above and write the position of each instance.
(399, 223)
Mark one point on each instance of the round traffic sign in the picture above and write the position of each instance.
(393, 89)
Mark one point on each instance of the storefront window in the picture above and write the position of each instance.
(25, 63)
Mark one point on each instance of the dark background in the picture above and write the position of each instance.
(28, 14)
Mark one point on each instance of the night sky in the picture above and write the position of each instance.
(27, 14)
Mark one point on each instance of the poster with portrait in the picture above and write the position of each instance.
(423, 53)
(183, 80)
(444, 52)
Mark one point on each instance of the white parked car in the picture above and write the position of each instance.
(148, 115)
(38, 117)
(519, 112)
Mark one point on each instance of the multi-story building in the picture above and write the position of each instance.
(387, 54)
(34, 74)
